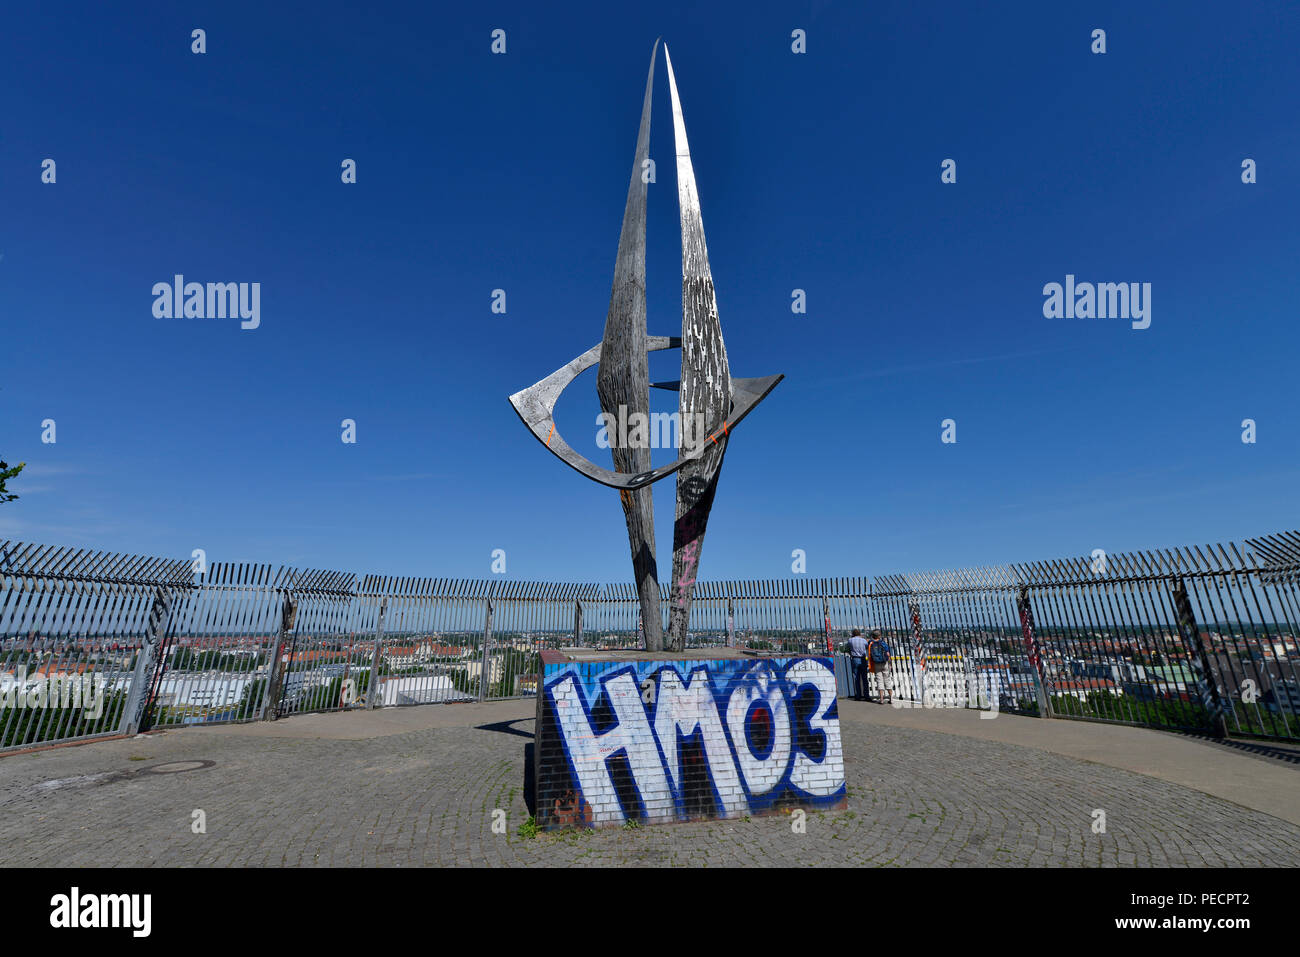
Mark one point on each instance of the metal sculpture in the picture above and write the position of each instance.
(710, 402)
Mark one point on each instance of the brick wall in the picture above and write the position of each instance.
(622, 736)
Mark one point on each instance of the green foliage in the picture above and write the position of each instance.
(1256, 719)
(1160, 713)
(330, 694)
(513, 664)
(186, 659)
(1241, 718)
(19, 726)
(528, 829)
(6, 473)
(462, 682)
(252, 697)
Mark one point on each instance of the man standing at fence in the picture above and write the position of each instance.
(858, 665)
(877, 660)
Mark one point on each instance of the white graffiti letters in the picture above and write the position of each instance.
(825, 777)
(759, 688)
(735, 737)
(589, 751)
(686, 709)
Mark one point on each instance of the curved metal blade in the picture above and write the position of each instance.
(705, 384)
(536, 407)
(623, 380)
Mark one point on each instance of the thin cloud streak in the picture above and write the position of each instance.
(926, 366)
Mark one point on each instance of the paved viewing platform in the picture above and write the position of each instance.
(419, 786)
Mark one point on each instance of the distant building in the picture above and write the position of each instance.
(202, 690)
(419, 689)
(1284, 695)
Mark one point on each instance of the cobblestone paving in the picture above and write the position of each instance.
(916, 798)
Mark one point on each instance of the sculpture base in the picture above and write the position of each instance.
(658, 737)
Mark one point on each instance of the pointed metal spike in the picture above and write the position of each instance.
(705, 392)
(623, 379)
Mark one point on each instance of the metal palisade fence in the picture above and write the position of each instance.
(94, 644)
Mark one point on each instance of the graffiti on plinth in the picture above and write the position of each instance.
(663, 741)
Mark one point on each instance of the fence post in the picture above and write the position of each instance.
(270, 709)
(487, 643)
(731, 622)
(826, 616)
(914, 611)
(1206, 686)
(135, 714)
(577, 622)
(1031, 649)
(372, 693)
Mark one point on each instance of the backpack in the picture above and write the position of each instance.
(879, 652)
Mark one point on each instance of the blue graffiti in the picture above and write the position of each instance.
(663, 741)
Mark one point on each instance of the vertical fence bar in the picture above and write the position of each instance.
(914, 613)
(135, 714)
(1206, 686)
(373, 691)
(487, 645)
(270, 709)
(1026, 611)
(826, 622)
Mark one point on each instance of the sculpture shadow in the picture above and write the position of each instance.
(1260, 749)
(507, 727)
(530, 749)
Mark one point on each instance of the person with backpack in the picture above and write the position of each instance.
(858, 665)
(877, 660)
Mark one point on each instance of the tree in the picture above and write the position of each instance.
(182, 660)
(7, 473)
(251, 698)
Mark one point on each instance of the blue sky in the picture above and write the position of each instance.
(818, 171)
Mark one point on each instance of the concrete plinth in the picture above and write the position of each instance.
(654, 737)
